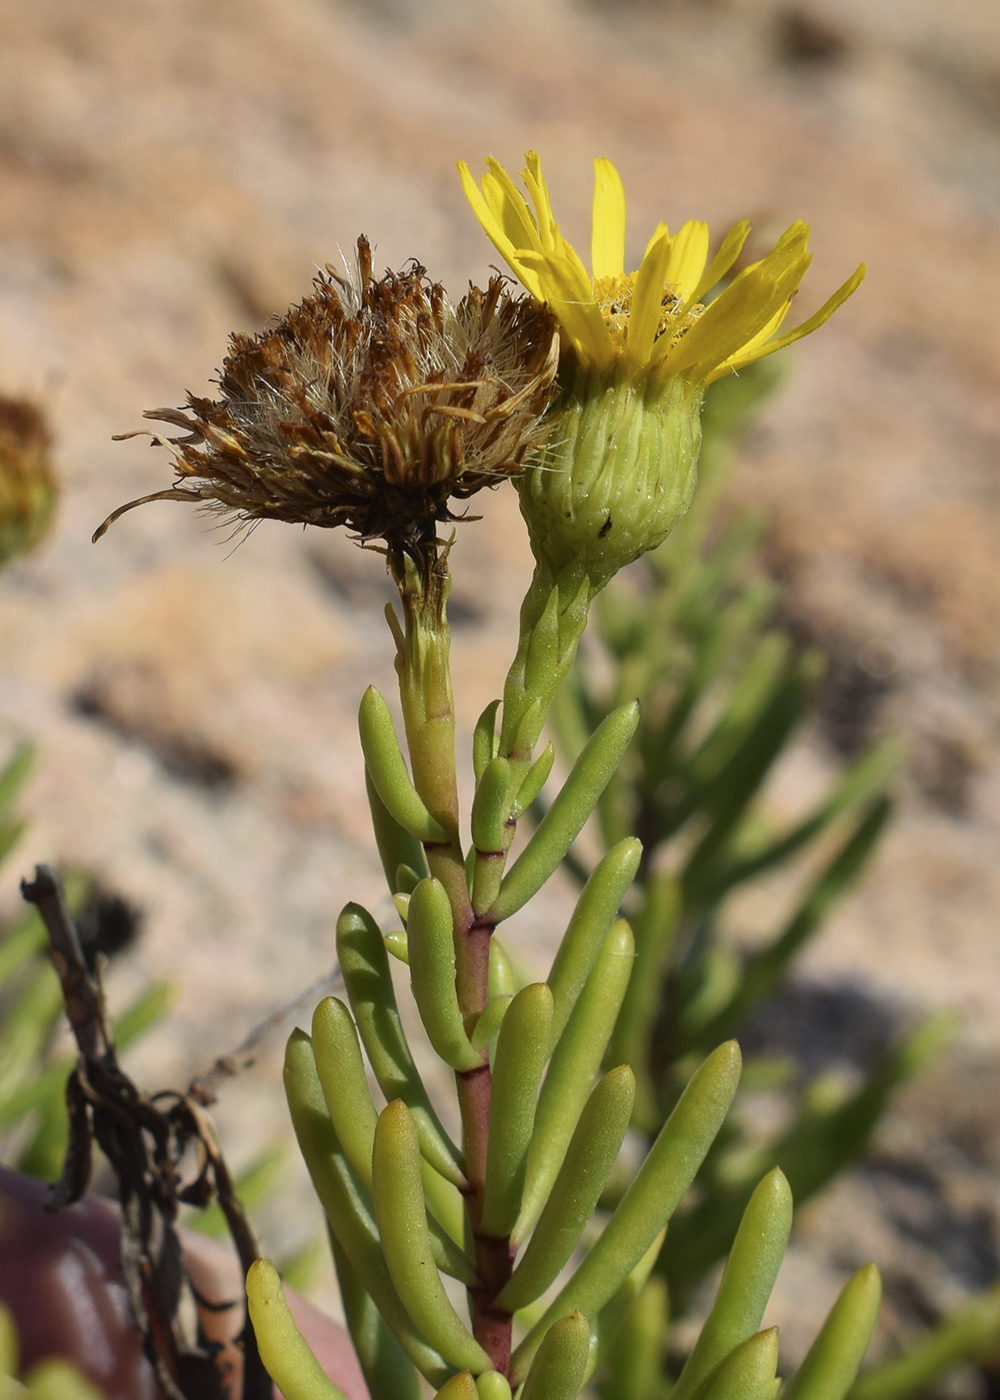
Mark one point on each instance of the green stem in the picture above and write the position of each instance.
(553, 618)
(423, 668)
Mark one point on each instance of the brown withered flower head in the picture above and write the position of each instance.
(372, 404)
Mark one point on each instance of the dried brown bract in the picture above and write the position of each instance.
(372, 404)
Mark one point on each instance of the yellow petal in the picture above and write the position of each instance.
(505, 218)
(647, 300)
(751, 351)
(763, 347)
(491, 224)
(658, 233)
(688, 255)
(607, 244)
(729, 251)
(533, 178)
(733, 319)
(508, 207)
(567, 289)
(792, 242)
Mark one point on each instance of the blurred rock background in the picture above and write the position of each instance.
(169, 173)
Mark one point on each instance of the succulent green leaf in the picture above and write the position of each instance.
(353, 1114)
(652, 1197)
(970, 1332)
(462, 1386)
(484, 739)
(832, 1362)
(341, 1070)
(287, 1356)
(521, 1053)
(589, 1158)
(654, 927)
(444, 1202)
(560, 1363)
(489, 1023)
(346, 1203)
(397, 849)
(397, 945)
(570, 809)
(431, 945)
(608, 1323)
(406, 1241)
(538, 776)
(365, 968)
(595, 911)
(388, 1371)
(491, 1385)
(491, 805)
(387, 767)
(502, 977)
(634, 1368)
(746, 1285)
(748, 1373)
(575, 1061)
(490, 834)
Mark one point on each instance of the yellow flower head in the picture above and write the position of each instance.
(653, 320)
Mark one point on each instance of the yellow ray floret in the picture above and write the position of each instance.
(654, 319)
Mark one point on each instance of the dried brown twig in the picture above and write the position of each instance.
(145, 1144)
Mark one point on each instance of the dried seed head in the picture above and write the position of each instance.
(371, 404)
(27, 486)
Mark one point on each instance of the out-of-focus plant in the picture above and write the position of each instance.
(373, 404)
(47, 1380)
(724, 691)
(27, 486)
(32, 1070)
(33, 1067)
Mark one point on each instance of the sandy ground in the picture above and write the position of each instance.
(170, 173)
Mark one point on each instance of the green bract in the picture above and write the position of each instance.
(616, 474)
